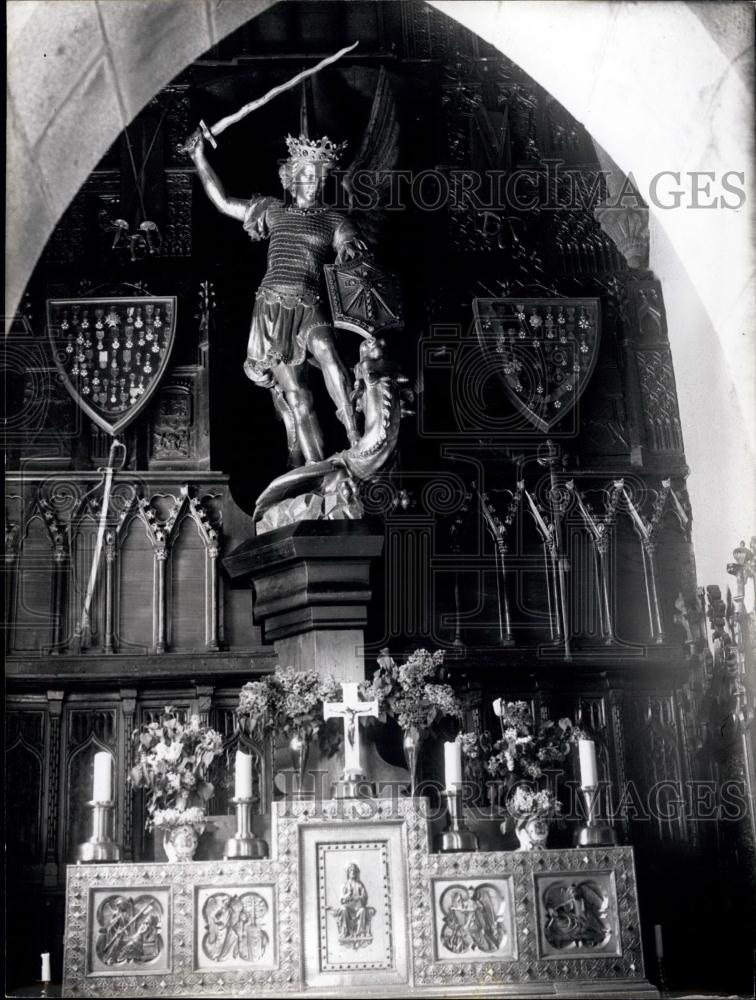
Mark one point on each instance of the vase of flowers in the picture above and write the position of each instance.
(411, 694)
(173, 762)
(532, 812)
(289, 704)
(519, 761)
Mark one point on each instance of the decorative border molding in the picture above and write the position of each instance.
(303, 825)
(529, 967)
(183, 880)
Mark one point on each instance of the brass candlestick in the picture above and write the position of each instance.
(99, 847)
(244, 844)
(457, 837)
(595, 833)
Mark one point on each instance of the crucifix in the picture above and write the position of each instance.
(351, 710)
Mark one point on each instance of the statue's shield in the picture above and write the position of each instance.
(112, 352)
(546, 350)
(364, 299)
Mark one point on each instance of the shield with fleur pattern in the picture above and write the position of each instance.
(112, 352)
(546, 350)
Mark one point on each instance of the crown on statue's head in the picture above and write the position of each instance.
(315, 150)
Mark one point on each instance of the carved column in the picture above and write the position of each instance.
(125, 834)
(213, 603)
(161, 640)
(652, 590)
(60, 572)
(55, 712)
(505, 625)
(601, 546)
(110, 552)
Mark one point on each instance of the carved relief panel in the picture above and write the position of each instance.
(236, 927)
(130, 933)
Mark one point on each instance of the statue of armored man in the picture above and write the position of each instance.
(290, 320)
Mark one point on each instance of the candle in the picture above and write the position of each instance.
(103, 777)
(243, 775)
(588, 769)
(45, 977)
(497, 707)
(453, 765)
(658, 941)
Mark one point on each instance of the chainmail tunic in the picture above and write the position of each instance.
(288, 302)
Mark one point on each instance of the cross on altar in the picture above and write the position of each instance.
(351, 710)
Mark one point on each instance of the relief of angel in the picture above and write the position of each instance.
(473, 919)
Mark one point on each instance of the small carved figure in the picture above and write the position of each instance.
(129, 930)
(233, 928)
(472, 919)
(576, 916)
(353, 915)
(221, 941)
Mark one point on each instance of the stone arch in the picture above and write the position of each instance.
(650, 101)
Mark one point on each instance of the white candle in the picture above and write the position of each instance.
(243, 775)
(588, 768)
(103, 777)
(497, 707)
(453, 765)
(658, 941)
(45, 977)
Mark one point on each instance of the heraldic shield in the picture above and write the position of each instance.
(546, 350)
(364, 299)
(112, 352)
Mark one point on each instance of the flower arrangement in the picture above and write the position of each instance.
(173, 760)
(525, 749)
(289, 702)
(526, 801)
(410, 694)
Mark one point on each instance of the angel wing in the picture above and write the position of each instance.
(367, 180)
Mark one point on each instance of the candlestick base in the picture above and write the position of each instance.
(237, 848)
(457, 838)
(595, 836)
(99, 849)
(244, 844)
(595, 833)
(353, 785)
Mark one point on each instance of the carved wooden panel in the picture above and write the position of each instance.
(136, 561)
(659, 392)
(188, 598)
(33, 589)
(24, 783)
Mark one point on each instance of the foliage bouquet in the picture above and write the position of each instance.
(173, 760)
(411, 694)
(519, 761)
(289, 703)
(527, 750)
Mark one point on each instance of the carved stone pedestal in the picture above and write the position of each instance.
(353, 902)
(312, 585)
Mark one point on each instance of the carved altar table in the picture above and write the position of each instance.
(355, 900)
